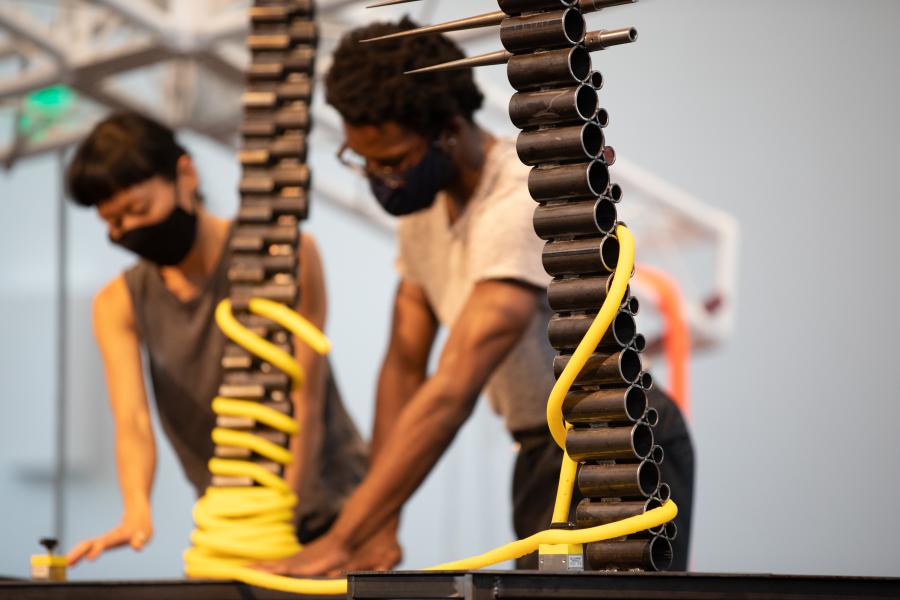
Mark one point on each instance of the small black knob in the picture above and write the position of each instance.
(49, 543)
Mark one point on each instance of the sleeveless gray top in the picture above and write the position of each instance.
(184, 349)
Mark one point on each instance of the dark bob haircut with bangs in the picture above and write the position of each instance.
(123, 150)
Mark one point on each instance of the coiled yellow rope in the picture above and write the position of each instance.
(238, 526)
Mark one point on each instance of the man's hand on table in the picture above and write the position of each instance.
(330, 556)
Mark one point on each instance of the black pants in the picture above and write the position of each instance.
(536, 477)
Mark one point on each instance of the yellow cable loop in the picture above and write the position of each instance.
(238, 526)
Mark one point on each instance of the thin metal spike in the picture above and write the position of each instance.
(593, 5)
(598, 40)
(389, 3)
(485, 20)
(482, 60)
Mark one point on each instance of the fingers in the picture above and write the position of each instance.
(94, 547)
(97, 548)
(139, 540)
(275, 568)
(77, 553)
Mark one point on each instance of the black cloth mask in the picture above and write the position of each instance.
(420, 186)
(163, 243)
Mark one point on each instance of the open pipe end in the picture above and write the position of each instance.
(624, 328)
(573, 25)
(648, 477)
(629, 364)
(579, 63)
(635, 403)
(658, 454)
(598, 177)
(602, 117)
(615, 192)
(586, 102)
(639, 342)
(642, 440)
(592, 139)
(660, 554)
(664, 492)
(609, 252)
(605, 215)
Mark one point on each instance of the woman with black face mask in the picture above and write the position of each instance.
(144, 186)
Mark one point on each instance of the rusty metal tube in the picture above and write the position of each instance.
(580, 142)
(553, 107)
(611, 405)
(579, 293)
(590, 514)
(596, 80)
(604, 369)
(571, 181)
(552, 68)
(566, 332)
(619, 480)
(654, 554)
(542, 31)
(609, 443)
(574, 218)
(576, 257)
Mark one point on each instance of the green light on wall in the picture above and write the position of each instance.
(49, 101)
(43, 108)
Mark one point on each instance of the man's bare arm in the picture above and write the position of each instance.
(405, 365)
(493, 320)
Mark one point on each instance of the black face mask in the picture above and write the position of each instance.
(166, 242)
(421, 183)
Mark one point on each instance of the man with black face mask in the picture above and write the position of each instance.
(468, 260)
(144, 186)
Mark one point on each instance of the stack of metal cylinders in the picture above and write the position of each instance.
(274, 188)
(556, 106)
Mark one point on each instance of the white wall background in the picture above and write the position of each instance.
(782, 112)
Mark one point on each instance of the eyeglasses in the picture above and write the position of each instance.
(390, 176)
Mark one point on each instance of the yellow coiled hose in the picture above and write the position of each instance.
(237, 526)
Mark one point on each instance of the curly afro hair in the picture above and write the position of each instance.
(367, 86)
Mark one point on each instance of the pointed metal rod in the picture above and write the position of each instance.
(389, 3)
(482, 60)
(485, 20)
(584, 5)
(594, 40)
